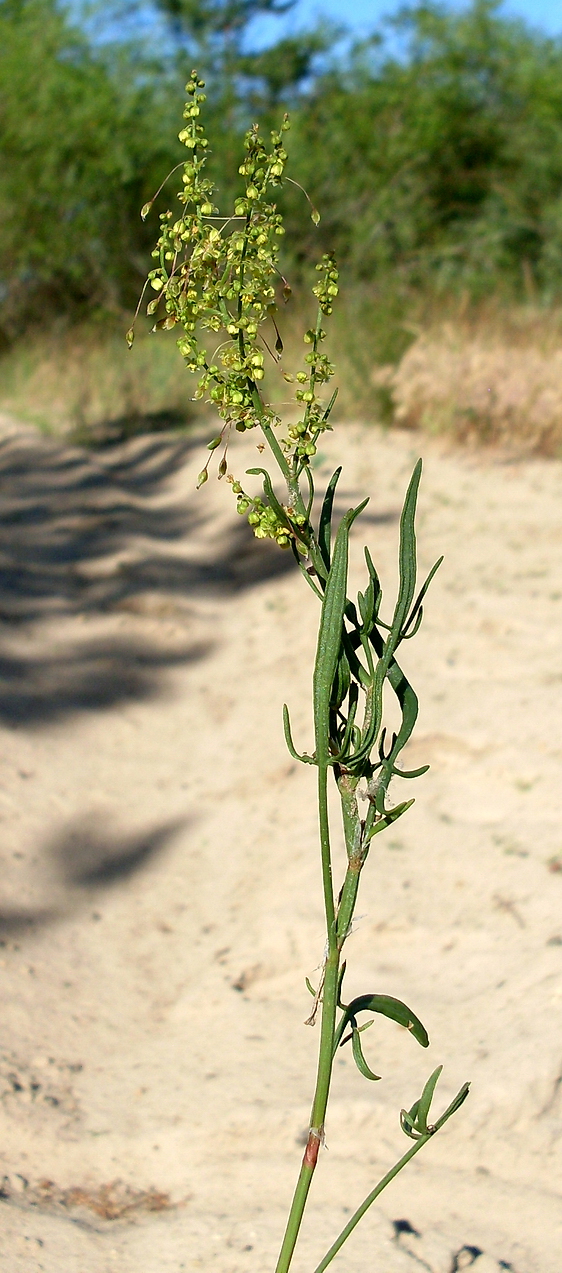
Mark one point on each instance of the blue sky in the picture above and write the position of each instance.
(363, 15)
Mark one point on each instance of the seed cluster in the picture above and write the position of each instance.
(219, 275)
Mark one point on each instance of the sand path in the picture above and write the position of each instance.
(160, 901)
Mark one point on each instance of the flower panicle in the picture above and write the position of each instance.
(217, 276)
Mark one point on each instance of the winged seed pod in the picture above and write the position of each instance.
(217, 280)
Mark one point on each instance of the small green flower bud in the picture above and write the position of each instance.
(202, 478)
(212, 446)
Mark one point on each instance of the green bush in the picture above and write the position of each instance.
(436, 155)
(441, 163)
(82, 137)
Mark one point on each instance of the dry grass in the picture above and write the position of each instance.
(490, 377)
(494, 381)
(87, 385)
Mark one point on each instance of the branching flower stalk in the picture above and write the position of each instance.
(217, 280)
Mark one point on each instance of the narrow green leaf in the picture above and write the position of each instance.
(411, 773)
(310, 987)
(408, 1120)
(342, 681)
(328, 410)
(459, 1100)
(340, 984)
(359, 1058)
(325, 523)
(330, 635)
(389, 1007)
(421, 594)
(406, 560)
(390, 816)
(304, 759)
(425, 1101)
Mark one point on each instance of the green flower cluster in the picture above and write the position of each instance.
(302, 436)
(280, 523)
(219, 275)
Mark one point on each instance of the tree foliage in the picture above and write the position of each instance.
(83, 141)
(435, 154)
(444, 163)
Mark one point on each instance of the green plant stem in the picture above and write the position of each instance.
(316, 1133)
(292, 484)
(327, 882)
(358, 1215)
(327, 1034)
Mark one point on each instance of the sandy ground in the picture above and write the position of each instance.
(160, 900)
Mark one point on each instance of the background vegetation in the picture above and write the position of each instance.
(434, 151)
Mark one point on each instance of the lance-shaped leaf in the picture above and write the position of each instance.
(390, 816)
(407, 554)
(426, 1099)
(330, 635)
(341, 682)
(414, 1122)
(329, 408)
(304, 759)
(325, 523)
(451, 1109)
(358, 1055)
(417, 606)
(387, 1006)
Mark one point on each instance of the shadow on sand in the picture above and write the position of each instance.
(69, 518)
(66, 515)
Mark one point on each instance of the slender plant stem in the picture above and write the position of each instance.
(327, 1033)
(316, 1133)
(324, 828)
(358, 1215)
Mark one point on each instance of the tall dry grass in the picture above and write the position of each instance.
(488, 377)
(494, 379)
(86, 385)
